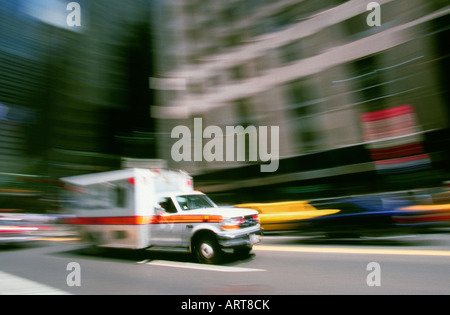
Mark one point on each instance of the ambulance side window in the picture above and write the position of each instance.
(121, 200)
(167, 204)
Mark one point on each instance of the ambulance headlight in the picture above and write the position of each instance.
(232, 223)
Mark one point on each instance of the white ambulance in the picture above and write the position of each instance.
(157, 209)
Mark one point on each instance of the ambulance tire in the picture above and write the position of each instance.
(207, 250)
(93, 241)
(243, 251)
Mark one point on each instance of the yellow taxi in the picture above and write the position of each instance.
(285, 215)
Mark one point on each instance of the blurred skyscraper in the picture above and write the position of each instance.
(74, 97)
(313, 68)
(81, 91)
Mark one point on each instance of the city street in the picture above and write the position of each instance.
(190, 124)
(280, 265)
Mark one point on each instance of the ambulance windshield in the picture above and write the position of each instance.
(191, 202)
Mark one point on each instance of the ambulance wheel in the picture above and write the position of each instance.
(243, 251)
(207, 251)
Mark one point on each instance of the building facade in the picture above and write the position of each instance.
(313, 68)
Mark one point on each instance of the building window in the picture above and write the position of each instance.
(290, 52)
(237, 73)
(303, 106)
(368, 81)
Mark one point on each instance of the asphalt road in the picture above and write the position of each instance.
(278, 266)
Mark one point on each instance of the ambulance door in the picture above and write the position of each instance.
(167, 231)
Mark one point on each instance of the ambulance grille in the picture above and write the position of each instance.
(249, 220)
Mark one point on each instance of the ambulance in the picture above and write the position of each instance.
(157, 209)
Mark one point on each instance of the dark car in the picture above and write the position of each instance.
(362, 216)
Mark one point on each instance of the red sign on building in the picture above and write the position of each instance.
(394, 140)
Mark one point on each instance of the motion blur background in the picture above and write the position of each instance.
(361, 109)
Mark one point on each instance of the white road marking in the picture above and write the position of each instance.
(14, 285)
(347, 250)
(143, 261)
(187, 265)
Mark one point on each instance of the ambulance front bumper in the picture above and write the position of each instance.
(249, 237)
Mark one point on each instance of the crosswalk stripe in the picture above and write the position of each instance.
(14, 285)
(187, 265)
